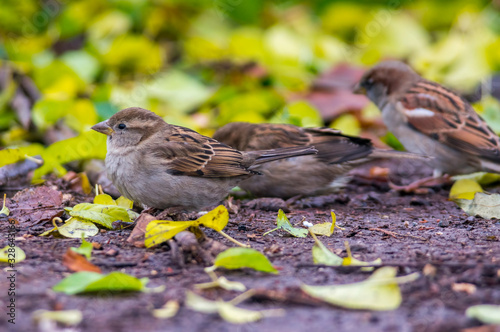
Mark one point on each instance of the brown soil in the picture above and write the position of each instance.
(406, 231)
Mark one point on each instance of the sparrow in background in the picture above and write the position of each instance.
(160, 165)
(430, 119)
(310, 175)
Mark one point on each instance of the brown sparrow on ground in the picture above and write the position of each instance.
(311, 175)
(160, 165)
(430, 119)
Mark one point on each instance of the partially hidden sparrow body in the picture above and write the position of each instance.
(160, 165)
(310, 175)
(430, 119)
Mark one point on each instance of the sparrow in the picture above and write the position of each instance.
(318, 174)
(159, 165)
(430, 119)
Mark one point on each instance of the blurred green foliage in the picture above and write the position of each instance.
(204, 63)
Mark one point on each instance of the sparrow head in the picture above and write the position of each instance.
(130, 126)
(385, 79)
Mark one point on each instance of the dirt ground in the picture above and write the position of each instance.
(426, 230)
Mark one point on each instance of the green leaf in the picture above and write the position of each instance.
(216, 219)
(485, 313)
(238, 258)
(322, 255)
(464, 189)
(379, 292)
(101, 214)
(85, 248)
(85, 282)
(283, 223)
(483, 205)
(159, 231)
(124, 202)
(10, 156)
(12, 253)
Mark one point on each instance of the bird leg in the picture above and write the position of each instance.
(422, 186)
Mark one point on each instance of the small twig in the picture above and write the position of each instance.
(233, 240)
(395, 235)
(243, 297)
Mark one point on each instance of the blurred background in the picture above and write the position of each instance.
(65, 65)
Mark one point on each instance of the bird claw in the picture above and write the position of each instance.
(421, 186)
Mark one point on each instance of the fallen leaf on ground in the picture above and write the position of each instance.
(322, 255)
(74, 228)
(221, 282)
(140, 228)
(85, 248)
(464, 189)
(484, 205)
(238, 258)
(169, 310)
(485, 313)
(4, 212)
(65, 317)
(284, 224)
(379, 292)
(101, 214)
(228, 310)
(158, 231)
(326, 228)
(351, 261)
(12, 253)
(76, 262)
(87, 282)
(36, 205)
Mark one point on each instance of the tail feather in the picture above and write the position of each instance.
(379, 153)
(265, 156)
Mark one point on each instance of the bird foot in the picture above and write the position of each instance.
(421, 186)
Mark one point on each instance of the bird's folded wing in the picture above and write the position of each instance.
(186, 152)
(442, 115)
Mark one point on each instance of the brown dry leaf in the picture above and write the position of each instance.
(140, 228)
(36, 205)
(76, 262)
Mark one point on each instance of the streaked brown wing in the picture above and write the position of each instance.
(444, 116)
(186, 152)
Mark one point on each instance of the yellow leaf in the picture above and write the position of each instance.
(326, 228)
(124, 202)
(104, 199)
(351, 261)
(169, 310)
(159, 231)
(12, 255)
(10, 156)
(464, 189)
(379, 292)
(348, 124)
(87, 145)
(216, 219)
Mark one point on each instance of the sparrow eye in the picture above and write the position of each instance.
(122, 126)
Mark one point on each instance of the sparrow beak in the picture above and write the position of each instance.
(358, 89)
(104, 128)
